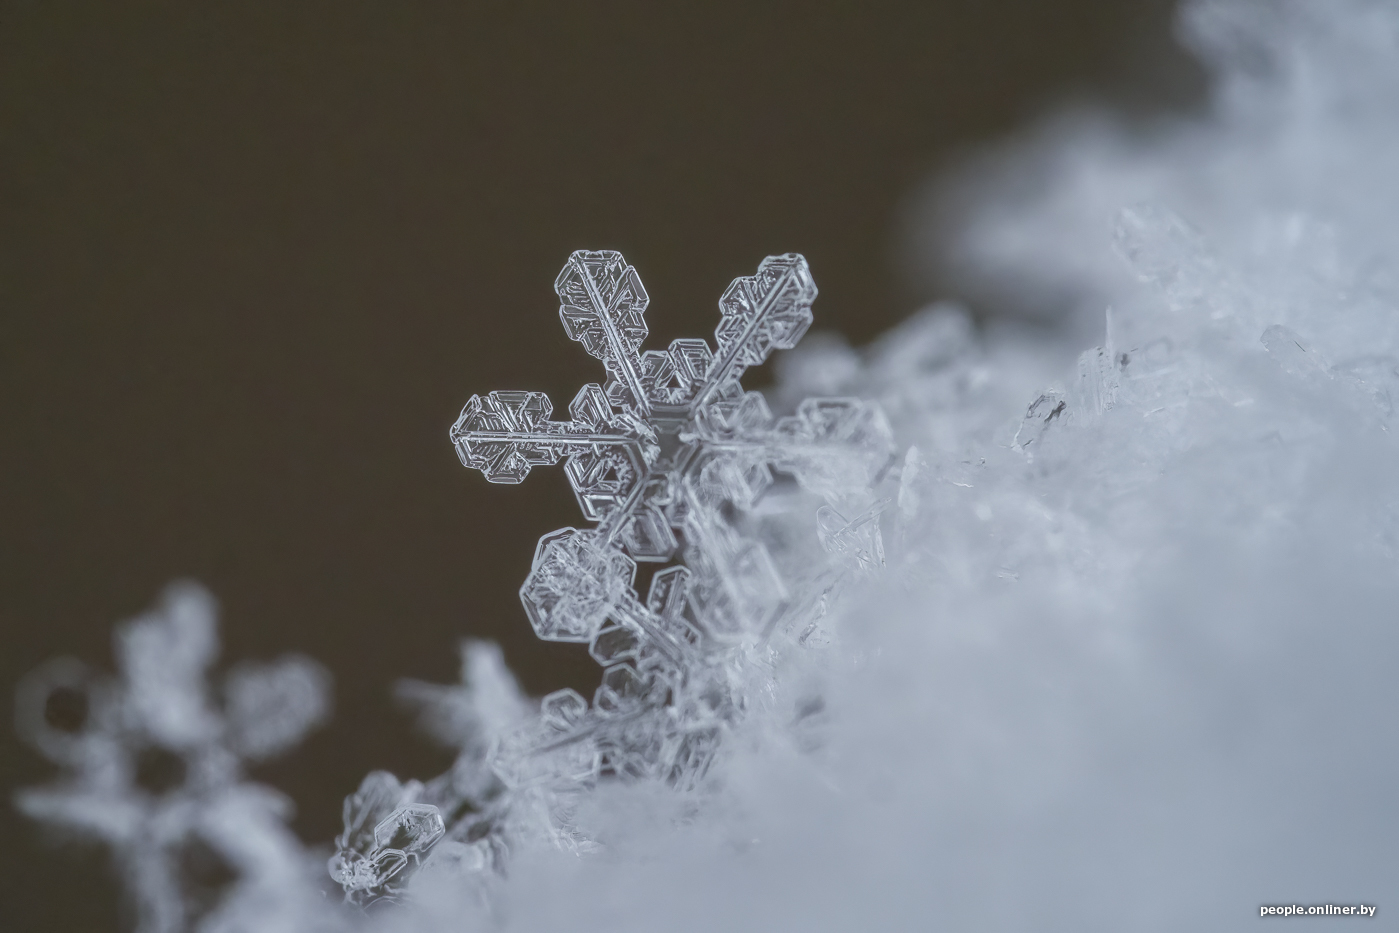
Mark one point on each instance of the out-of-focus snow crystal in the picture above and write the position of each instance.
(667, 455)
(152, 767)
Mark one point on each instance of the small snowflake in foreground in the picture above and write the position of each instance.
(153, 768)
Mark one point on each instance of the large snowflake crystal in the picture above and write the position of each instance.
(671, 459)
(656, 454)
(152, 767)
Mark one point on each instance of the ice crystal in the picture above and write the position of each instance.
(667, 456)
(152, 768)
(391, 826)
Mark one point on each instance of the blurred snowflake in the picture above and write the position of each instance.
(152, 767)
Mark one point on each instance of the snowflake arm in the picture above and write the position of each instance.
(761, 313)
(603, 306)
(504, 434)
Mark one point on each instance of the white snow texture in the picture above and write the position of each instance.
(1130, 662)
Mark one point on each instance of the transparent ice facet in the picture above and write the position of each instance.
(692, 757)
(387, 834)
(602, 477)
(857, 539)
(614, 644)
(563, 709)
(558, 749)
(590, 408)
(576, 580)
(622, 689)
(411, 829)
(673, 377)
(1040, 418)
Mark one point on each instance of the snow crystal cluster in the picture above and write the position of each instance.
(968, 636)
(672, 459)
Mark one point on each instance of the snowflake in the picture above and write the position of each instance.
(153, 768)
(659, 448)
(390, 825)
(673, 461)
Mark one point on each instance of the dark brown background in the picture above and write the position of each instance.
(257, 256)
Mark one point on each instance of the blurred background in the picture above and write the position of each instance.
(255, 258)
